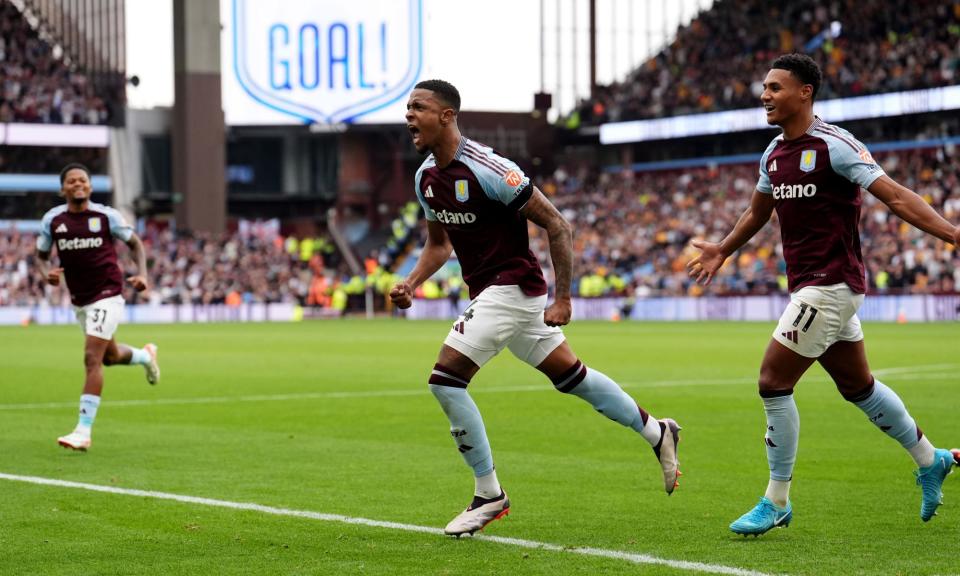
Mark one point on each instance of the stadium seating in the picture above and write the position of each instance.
(36, 86)
(632, 230)
(632, 235)
(719, 60)
(194, 269)
(632, 238)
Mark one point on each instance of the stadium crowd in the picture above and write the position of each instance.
(632, 230)
(632, 233)
(228, 269)
(36, 85)
(718, 61)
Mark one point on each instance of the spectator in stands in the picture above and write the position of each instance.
(38, 87)
(633, 234)
(862, 46)
(637, 227)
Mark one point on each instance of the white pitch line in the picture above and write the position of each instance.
(631, 557)
(908, 369)
(475, 390)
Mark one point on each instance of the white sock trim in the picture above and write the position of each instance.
(139, 356)
(487, 486)
(923, 452)
(778, 492)
(651, 431)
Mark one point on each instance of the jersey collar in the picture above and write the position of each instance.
(460, 147)
(817, 122)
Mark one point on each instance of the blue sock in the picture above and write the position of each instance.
(466, 424)
(885, 409)
(604, 395)
(139, 356)
(783, 435)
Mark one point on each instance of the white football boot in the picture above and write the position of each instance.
(153, 368)
(666, 452)
(480, 513)
(75, 441)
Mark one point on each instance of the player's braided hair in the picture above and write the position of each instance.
(447, 92)
(73, 166)
(803, 67)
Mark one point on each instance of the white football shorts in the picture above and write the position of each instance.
(819, 316)
(101, 318)
(504, 317)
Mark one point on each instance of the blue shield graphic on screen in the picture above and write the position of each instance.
(327, 61)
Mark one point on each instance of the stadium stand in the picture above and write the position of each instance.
(37, 85)
(633, 229)
(719, 60)
(632, 235)
(231, 269)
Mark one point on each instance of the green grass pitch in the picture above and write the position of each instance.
(335, 417)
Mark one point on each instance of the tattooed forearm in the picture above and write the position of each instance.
(541, 212)
(561, 252)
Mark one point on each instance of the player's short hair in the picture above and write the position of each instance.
(447, 92)
(803, 67)
(73, 166)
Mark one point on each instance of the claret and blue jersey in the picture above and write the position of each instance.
(477, 198)
(84, 242)
(816, 180)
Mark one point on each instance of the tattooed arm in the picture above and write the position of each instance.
(541, 212)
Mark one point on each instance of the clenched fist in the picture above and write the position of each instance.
(53, 276)
(402, 295)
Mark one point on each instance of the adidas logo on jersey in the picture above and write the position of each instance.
(448, 217)
(61, 229)
(79, 243)
(429, 192)
(773, 167)
(787, 191)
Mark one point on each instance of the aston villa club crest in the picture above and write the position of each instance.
(808, 160)
(463, 190)
(94, 224)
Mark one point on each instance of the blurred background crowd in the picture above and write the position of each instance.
(631, 237)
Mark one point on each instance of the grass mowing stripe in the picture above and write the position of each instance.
(481, 390)
(249, 506)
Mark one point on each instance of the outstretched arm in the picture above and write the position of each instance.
(541, 212)
(713, 255)
(909, 206)
(139, 279)
(435, 254)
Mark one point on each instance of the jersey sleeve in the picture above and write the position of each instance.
(851, 159)
(763, 183)
(427, 211)
(502, 180)
(45, 237)
(118, 225)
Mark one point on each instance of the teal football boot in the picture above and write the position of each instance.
(765, 516)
